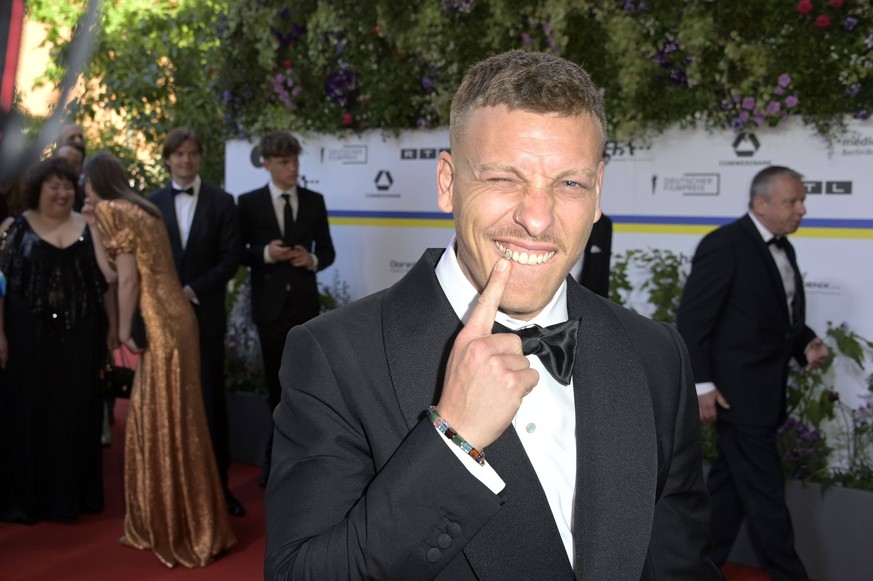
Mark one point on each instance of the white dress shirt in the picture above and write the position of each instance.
(545, 422)
(185, 207)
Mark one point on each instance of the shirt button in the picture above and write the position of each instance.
(530, 428)
(434, 555)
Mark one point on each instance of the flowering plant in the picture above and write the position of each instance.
(347, 65)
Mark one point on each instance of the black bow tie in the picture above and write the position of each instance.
(779, 241)
(555, 345)
(189, 190)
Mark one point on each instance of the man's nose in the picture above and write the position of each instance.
(535, 211)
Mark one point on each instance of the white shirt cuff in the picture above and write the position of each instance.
(484, 473)
(267, 258)
(704, 388)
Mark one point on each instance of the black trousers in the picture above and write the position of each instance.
(214, 399)
(272, 335)
(746, 482)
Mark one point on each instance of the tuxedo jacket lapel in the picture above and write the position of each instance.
(770, 263)
(200, 220)
(617, 459)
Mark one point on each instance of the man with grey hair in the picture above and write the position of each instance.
(419, 437)
(742, 315)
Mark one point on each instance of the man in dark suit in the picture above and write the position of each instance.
(525, 468)
(742, 316)
(592, 270)
(204, 235)
(285, 240)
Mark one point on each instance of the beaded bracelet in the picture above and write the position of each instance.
(449, 432)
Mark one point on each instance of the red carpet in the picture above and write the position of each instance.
(88, 549)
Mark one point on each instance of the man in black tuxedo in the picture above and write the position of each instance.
(592, 270)
(523, 469)
(742, 316)
(285, 240)
(204, 235)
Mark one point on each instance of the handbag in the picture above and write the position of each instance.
(116, 380)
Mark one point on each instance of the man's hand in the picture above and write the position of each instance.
(816, 354)
(301, 257)
(279, 252)
(708, 407)
(487, 375)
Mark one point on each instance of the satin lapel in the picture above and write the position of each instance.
(164, 201)
(764, 253)
(265, 208)
(522, 540)
(799, 294)
(201, 217)
(616, 449)
(419, 327)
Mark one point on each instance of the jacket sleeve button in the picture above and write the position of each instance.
(444, 541)
(434, 555)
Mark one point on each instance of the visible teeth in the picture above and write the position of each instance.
(524, 257)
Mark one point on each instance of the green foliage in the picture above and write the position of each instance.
(151, 70)
(349, 65)
(664, 275)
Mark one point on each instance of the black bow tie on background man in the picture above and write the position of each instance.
(555, 345)
(778, 241)
(189, 190)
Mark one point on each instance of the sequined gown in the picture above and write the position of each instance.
(174, 501)
(50, 409)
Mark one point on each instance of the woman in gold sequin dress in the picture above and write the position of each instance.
(174, 501)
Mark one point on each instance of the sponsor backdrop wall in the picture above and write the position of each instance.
(380, 191)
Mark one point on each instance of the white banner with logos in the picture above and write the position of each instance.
(380, 191)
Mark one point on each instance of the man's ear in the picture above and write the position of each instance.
(445, 181)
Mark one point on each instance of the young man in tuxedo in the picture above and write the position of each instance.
(285, 240)
(742, 315)
(417, 439)
(202, 223)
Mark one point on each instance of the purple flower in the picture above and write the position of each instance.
(778, 91)
(525, 38)
(226, 96)
(547, 28)
(737, 123)
(784, 80)
(749, 103)
(726, 106)
(744, 115)
(853, 90)
(678, 76)
(759, 120)
(670, 46)
(340, 84)
(862, 114)
(427, 82)
(421, 123)
(850, 23)
(791, 101)
(773, 107)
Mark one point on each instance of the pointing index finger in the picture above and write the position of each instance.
(482, 318)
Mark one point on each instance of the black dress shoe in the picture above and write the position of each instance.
(233, 505)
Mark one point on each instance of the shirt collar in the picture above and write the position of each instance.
(462, 295)
(195, 184)
(762, 230)
(276, 191)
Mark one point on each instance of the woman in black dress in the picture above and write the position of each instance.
(52, 342)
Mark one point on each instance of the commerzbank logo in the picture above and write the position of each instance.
(746, 144)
